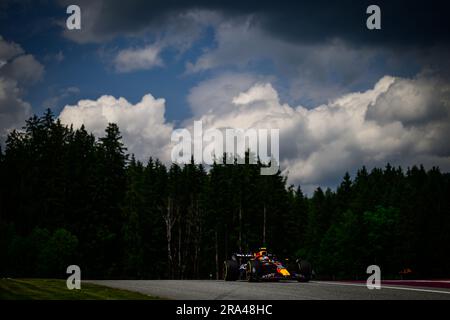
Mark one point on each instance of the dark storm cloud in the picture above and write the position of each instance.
(403, 22)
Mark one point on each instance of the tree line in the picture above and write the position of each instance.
(69, 198)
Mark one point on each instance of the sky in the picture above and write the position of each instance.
(343, 96)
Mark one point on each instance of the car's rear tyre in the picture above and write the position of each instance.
(252, 270)
(230, 270)
(304, 271)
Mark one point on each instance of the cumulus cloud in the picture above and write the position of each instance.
(143, 126)
(412, 102)
(402, 121)
(138, 59)
(395, 121)
(17, 71)
(213, 95)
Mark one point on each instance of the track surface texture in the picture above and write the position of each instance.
(283, 290)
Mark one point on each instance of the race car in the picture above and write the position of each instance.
(263, 266)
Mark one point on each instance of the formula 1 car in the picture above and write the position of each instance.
(261, 265)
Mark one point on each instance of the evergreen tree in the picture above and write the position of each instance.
(69, 198)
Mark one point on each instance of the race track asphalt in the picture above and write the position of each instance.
(283, 290)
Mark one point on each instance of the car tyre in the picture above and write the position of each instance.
(304, 270)
(230, 270)
(252, 271)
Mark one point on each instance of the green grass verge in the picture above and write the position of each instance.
(53, 289)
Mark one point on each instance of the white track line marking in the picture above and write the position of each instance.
(382, 287)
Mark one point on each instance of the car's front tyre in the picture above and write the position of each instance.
(252, 271)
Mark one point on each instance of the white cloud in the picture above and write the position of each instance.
(17, 70)
(144, 129)
(13, 109)
(257, 93)
(412, 101)
(318, 145)
(214, 95)
(138, 59)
